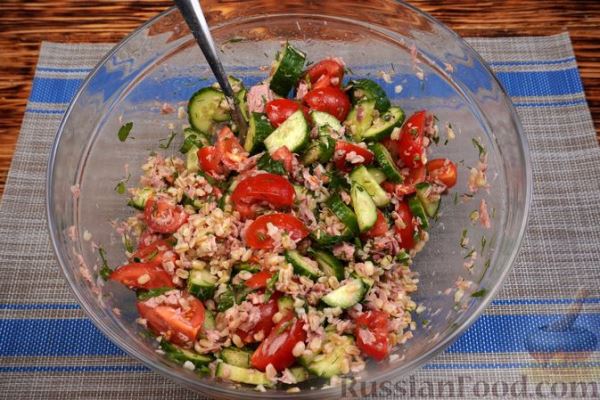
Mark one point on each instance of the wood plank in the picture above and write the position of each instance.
(24, 24)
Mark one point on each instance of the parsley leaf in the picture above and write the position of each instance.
(120, 188)
(105, 270)
(479, 147)
(479, 293)
(266, 163)
(166, 142)
(124, 131)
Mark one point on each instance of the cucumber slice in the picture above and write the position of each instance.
(346, 295)
(191, 138)
(237, 357)
(384, 124)
(242, 375)
(329, 365)
(247, 267)
(327, 240)
(202, 284)
(209, 320)
(361, 176)
(300, 374)
(364, 207)
(321, 119)
(293, 134)
(343, 212)
(330, 265)
(205, 108)
(140, 198)
(320, 150)
(386, 162)
(259, 128)
(430, 201)
(377, 174)
(287, 70)
(417, 210)
(360, 118)
(303, 265)
(366, 89)
(192, 163)
(285, 303)
(181, 355)
(240, 93)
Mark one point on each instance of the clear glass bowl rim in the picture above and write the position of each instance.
(306, 394)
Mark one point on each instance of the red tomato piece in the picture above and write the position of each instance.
(442, 170)
(210, 160)
(264, 324)
(176, 324)
(256, 235)
(259, 280)
(325, 73)
(163, 216)
(231, 152)
(409, 147)
(142, 276)
(380, 227)
(342, 149)
(279, 110)
(329, 99)
(284, 155)
(154, 251)
(262, 188)
(414, 176)
(371, 334)
(405, 233)
(277, 348)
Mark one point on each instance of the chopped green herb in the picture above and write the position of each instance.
(337, 181)
(124, 131)
(486, 265)
(479, 147)
(266, 163)
(470, 253)
(152, 293)
(483, 243)
(424, 322)
(435, 139)
(463, 239)
(105, 270)
(127, 243)
(479, 293)
(445, 142)
(151, 256)
(166, 142)
(271, 286)
(348, 70)
(120, 188)
(455, 198)
(474, 216)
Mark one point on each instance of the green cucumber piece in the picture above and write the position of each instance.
(417, 210)
(343, 212)
(237, 357)
(357, 126)
(320, 150)
(300, 374)
(247, 267)
(191, 138)
(303, 265)
(285, 303)
(242, 375)
(327, 240)
(321, 119)
(384, 124)
(386, 162)
(361, 176)
(181, 355)
(377, 174)
(192, 163)
(346, 295)
(209, 320)
(287, 70)
(140, 198)
(366, 89)
(204, 109)
(330, 265)
(292, 133)
(430, 201)
(329, 365)
(202, 284)
(364, 207)
(259, 128)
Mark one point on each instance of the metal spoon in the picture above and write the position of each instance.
(194, 17)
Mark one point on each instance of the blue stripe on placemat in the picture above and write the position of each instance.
(78, 337)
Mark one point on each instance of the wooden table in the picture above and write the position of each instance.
(24, 24)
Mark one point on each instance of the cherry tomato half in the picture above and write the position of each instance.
(262, 325)
(277, 349)
(176, 324)
(154, 251)
(371, 332)
(210, 161)
(409, 148)
(259, 280)
(230, 150)
(405, 233)
(142, 276)
(442, 170)
(342, 149)
(256, 235)
(330, 99)
(414, 176)
(380, 227)
(268, 188)
(163, 216)
(279, 110)
(325, 73)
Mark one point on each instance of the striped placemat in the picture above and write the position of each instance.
(50, 350)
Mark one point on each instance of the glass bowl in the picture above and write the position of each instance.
(158, 67)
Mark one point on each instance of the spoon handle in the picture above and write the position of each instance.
(194, 17)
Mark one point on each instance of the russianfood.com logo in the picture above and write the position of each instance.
(466, 386)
